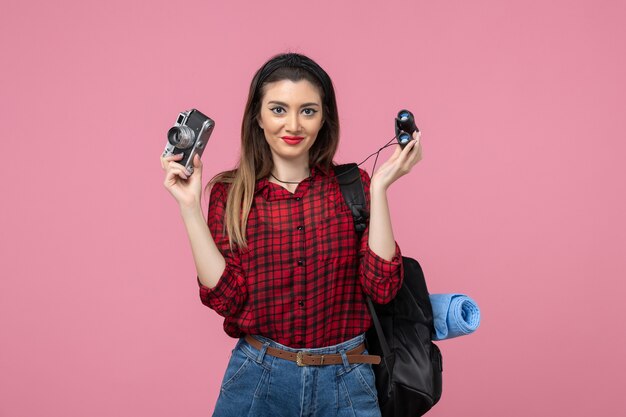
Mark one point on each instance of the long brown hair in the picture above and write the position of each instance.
(255, 161)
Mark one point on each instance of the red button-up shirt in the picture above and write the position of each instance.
(302, 279)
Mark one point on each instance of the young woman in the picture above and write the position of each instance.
(278, 256)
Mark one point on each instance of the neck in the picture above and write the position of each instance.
(287, 171)
(289, 176)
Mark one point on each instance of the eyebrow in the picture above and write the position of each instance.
(280, 103)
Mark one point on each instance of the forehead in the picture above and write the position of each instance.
(291, 91)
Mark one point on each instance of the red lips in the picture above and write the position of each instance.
(293, 140)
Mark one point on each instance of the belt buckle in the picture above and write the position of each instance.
(299, 358)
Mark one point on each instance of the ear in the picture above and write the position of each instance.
(258, 120)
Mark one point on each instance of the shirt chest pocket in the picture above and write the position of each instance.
(335, 237)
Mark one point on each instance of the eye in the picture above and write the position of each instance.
(277, 110)
(309, 112)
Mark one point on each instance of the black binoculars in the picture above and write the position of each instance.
(405, 126)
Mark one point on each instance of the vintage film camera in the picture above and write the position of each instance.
(405, 126)
(189, 136)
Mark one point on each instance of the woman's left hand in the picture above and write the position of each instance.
(399, 164)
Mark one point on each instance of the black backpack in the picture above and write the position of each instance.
(408, 379)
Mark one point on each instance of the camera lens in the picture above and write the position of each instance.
(181, 136)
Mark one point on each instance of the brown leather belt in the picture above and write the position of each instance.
(302, 358)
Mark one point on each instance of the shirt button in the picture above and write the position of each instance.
(300, 262)
(298, 198)
(300, 227)
(301, 303)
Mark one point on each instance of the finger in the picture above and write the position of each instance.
(173, 164)
(406, 151)
(166, 159)
(181, 173)
(171, 178)
(197, 164)
(416, 140)
(407, 159)
(172, 157)
(416, 154)
(415, 145)
(177, 169)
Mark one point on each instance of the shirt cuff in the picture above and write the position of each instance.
(224, 297)
(381, 267)
(381, 278)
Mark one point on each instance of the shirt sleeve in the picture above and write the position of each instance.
(230, 293)
(381, 279)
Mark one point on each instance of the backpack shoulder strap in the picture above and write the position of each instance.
(349, 179)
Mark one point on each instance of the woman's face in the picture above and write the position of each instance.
(291, 116)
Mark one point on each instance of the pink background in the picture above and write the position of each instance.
(519, 201)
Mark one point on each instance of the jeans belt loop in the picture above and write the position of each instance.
(262, 351)
(344, 358)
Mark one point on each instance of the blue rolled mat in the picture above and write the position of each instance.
(454, 315)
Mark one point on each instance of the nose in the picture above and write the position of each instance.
(293, 123)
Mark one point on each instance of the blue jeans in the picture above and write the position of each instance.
(257, 384)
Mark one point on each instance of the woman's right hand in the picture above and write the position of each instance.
(186, 189)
